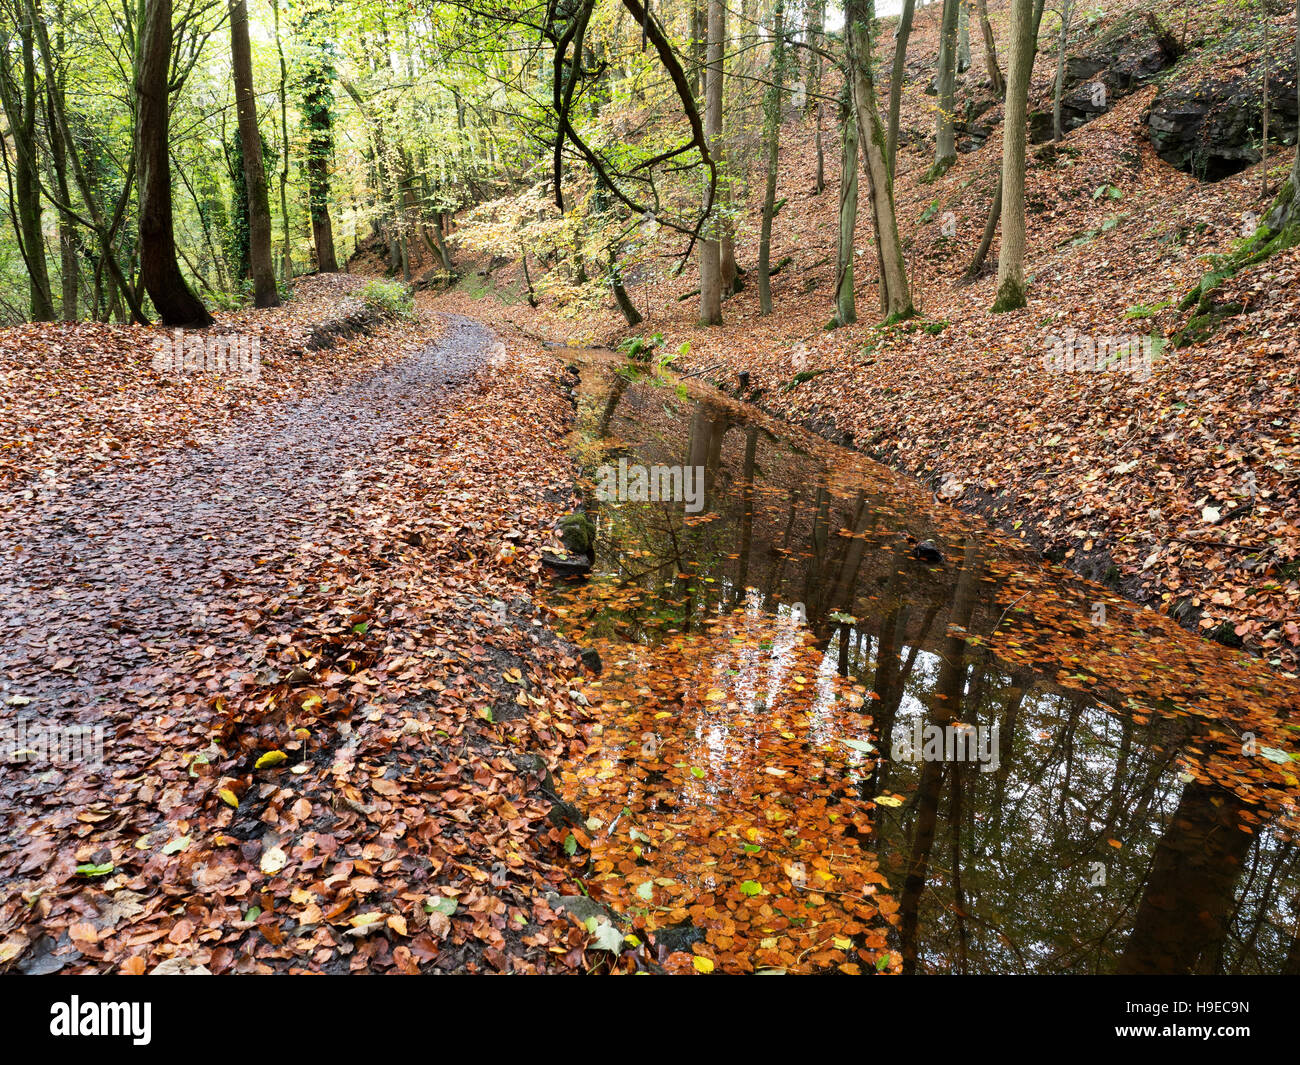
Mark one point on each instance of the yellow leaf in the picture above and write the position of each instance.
(269, 759)
(702, 965)
(228, 797)
(888, 800)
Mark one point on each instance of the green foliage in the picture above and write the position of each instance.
(1146, 310)
(389, 298)
(639, 349)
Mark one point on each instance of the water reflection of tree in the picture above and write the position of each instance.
(999, 877)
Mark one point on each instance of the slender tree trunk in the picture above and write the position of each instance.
(996, 82)
(69, 262)
(625, 305)
(19, 94)
(159, 272)
(1011, 254)
(963, 36)
(710, 249)
(845, 304)
(895, 297)
(945, 138)
(1058, 89)
(286, 255)
(260, 260)
(817, 37)
(772, 120)
(896, 81)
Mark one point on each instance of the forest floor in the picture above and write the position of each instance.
(1181, 489)
(296, 618)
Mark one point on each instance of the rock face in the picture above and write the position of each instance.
(1122, 60)
(1212, 127)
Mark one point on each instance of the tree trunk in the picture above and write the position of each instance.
(69, 263)
(845, 305)
(625, 305)
(896, 76)
(945, 138)
(250, 145)
(317, 106)
(895, 297)
(817, 37)
(710, 247)
(963, 36)
(20, 106)
(159, 272)
(1058, 89)
(1011, 254)
(772, 134)
(996, 82)
(286, 256)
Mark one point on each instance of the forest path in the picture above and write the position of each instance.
(111, 584)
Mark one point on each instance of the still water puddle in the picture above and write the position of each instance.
(819, 747)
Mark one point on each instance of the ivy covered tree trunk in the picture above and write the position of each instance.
(238, 248)
(846, 311)
(18, 92)
(159, 272)
(895, 294)
(318, 118)
(250, 143)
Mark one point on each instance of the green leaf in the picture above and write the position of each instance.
(95, 870)
(570, 844)
(438, 904)
(751, 887)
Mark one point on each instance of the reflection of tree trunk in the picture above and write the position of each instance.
(847, 578)
(747, 513)
(774, 577)
(704, 449)
(611, 404)
(1187, 905)
(945, 709)
(816, 564)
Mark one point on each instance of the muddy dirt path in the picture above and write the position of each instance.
(108, 584)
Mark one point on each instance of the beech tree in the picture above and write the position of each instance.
(710, 255)
(250, 150)
(895, 295)
(159, 272)
(1011, 254)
